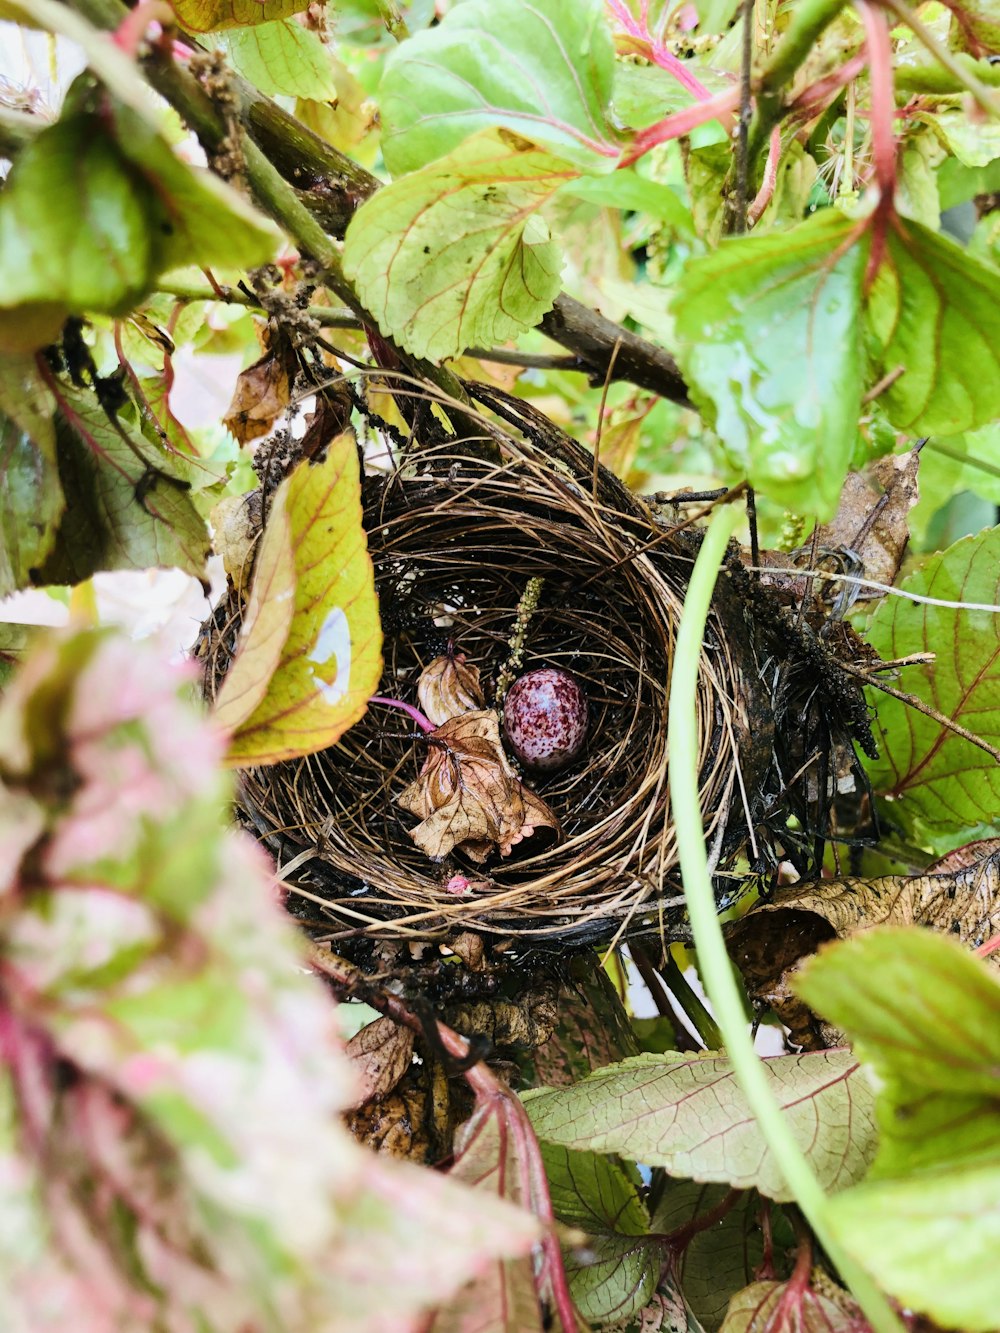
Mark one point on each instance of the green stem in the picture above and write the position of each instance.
(809, 19)
(935, 79)
(690, 1004)
(713, 959)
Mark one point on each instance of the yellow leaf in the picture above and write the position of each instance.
(327, 664)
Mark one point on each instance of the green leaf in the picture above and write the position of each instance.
(31, 498)
(542, 70)
(688, 1115)
(628, 190)
(614, 1273)
(975, 25)
(975, 142)
(96, 207)
(454, 256)
(196, 217)
(950, 465)
(932, 309)
(75, 234)
(931, 1241)
(718, 1259)
(768, 342)
(310, 651)
(127, 508)
(925, 1015)
(283, 59)
(211, 15)
(941, 787)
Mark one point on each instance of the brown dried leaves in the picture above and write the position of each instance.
(449, 687)
(773, 939)
(468, 796)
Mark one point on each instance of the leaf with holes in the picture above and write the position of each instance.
(688, 1115)
(931, 309)
(310, 652)
(455, 255)
(211, 15)
(613, 1274)
(31, 498)
(767, 339)
(542, 71)
(937, 785)
(283, 59)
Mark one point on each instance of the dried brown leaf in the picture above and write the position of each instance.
(261, 395)
(467, 794)
(449, 687)
(770, 942)
(872, 519)
(381, 1054)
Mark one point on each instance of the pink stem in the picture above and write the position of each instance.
(766, 192)
(424, 723)
(643, 43)
(682, 122)
(989, 947)
(821, 92)
(883, 112)
(132, 29)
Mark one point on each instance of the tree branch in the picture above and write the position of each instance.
(333, 186)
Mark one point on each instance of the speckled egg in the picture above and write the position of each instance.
(545, 719)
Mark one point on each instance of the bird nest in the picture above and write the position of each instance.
(455, 542)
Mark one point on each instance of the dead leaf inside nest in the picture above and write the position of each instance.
(776, 936)
(468, 796)
(449, 687)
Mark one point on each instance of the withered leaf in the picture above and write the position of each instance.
(872, 517)
(381, 1054)
(467, 794)
(448, 687)
(770, 942)
(262, 393)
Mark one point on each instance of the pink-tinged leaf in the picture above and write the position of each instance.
(171, 1150)
(313, 557)
(504, 1298)
(688, 1115)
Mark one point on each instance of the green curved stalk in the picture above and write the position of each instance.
(713, 959)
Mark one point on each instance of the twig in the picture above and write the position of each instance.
(738, 209)
(683, 1040)
(872, 583)
(913, 701)
(600, 418)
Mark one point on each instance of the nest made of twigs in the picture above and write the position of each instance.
(454, 541)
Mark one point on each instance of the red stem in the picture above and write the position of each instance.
(682, 122)
(822, 91)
